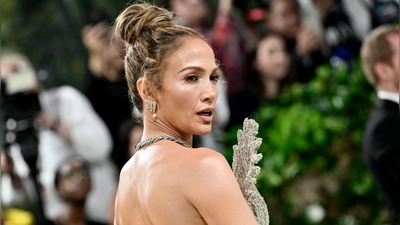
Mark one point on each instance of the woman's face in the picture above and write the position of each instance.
(74, 183)
(272, 59)
(189, 90)
(284, 18)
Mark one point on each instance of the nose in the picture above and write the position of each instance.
(210, 93)
(280, 57)
(292, 20)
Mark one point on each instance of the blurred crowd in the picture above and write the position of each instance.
(64, 147)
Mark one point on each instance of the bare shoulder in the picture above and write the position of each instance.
(206, 153)
(213, 190)
(208, 168)
(205, 160)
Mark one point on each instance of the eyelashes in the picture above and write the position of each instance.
(194, 78)
(215, 78)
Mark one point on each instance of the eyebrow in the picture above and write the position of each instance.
(197, 69)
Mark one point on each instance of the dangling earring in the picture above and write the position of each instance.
(151, 106)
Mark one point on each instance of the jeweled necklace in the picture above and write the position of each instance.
(152, 140)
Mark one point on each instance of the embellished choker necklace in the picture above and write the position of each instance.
(152, 140)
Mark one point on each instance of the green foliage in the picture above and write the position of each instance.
(312, 154)
(48, 32)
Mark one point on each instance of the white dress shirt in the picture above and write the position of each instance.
(391, 96)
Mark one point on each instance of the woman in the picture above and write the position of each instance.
(270, 64)
(172, 77)
(268, 72)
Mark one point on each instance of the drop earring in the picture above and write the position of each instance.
(151, 106)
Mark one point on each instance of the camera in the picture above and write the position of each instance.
(20, 105)
(19, 101)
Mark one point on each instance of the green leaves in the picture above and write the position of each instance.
(314, 131)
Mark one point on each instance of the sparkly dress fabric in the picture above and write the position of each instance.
(245, 157)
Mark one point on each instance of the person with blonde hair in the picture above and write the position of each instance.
(381, 145)
(172, 77)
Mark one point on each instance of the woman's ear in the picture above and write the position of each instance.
(141, 86)
(144, 89)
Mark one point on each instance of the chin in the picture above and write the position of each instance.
(203, 132)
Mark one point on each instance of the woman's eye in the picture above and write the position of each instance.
(192, 78)
(214, 78)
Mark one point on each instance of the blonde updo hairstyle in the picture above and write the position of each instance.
(150, 36)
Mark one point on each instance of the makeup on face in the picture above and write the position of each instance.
(190, 89)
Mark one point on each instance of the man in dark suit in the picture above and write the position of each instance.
(381, 145)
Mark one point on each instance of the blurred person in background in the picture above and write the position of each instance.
(66, 125)
(8, 171)
(268, 67)
(338, 34)
(20, 149)
(381, 145)
(106, 85)
(129, 134)
(367, 15)
(73, 185)
(304, 43)
(18, 198)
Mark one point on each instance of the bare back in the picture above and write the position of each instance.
(150, 189)
(166, 183)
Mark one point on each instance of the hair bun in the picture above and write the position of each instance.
(140, 20)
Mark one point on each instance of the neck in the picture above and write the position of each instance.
(114, 75)
(271, 88)
(156, 127)
(75, 214)
(389, 88)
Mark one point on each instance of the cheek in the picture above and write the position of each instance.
(201, 11)
(286, 61)
(265, 62)
(177, 98)
(281, 24)
(275, 21)
(66, 187)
